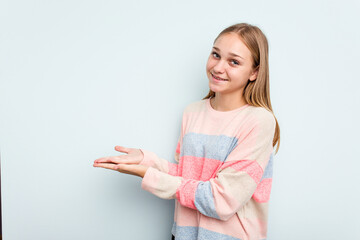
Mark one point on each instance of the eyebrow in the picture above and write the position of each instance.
(233, 54)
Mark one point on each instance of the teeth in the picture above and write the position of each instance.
(218, 78)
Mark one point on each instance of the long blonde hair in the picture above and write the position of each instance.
(256, 93)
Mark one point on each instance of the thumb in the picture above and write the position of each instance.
(122, 149)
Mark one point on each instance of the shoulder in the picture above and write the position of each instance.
(196, 106)
(261, 117)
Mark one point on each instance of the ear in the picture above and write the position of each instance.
(254, 74)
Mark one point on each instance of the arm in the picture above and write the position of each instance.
(234, 184)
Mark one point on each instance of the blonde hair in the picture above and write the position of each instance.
(256, 93)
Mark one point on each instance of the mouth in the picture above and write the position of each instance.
(218, 78)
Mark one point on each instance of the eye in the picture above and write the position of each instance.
(215, 55)
(234, 62)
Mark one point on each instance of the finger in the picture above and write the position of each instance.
(123, 168)
(128, 169)
(106, 165)
(122, 149)
(115, 159)
(124, 160)
(105, 160)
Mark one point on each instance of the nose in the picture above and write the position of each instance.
(219, 67)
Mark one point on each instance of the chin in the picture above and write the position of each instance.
(213, 88)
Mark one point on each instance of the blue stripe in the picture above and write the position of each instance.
(209, 146)
(204, 200)
(268, 173)
(198, 233)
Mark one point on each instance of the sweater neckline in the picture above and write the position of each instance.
(222, 113)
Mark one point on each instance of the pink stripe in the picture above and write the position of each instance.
(187, 189)
(185, 216)
(198, 168)
(173, 169)
(263, 190)
(251, 167)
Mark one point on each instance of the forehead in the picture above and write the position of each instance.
(232, 43)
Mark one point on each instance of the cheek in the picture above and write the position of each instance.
(210, 64)
(235, 74)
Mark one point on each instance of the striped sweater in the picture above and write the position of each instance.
(221, 180)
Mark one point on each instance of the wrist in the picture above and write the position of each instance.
(143, 171)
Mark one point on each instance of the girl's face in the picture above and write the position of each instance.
(229, 66)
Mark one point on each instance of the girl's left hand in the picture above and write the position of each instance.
(132, 169)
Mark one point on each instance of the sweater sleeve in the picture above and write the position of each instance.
(235, 182)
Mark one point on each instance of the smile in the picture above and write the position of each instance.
(218, 78)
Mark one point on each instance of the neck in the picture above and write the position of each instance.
(228, 102)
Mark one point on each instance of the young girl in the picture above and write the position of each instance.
(222, 177)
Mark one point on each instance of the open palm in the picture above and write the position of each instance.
(134, 156)
(124, 163)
